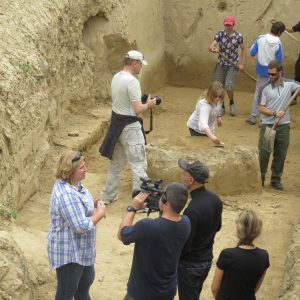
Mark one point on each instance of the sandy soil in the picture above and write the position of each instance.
(279, 210)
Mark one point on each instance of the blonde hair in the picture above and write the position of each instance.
(67, 164)
(214, 89)
(248, 227)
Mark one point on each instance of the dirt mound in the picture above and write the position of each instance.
(16, 281)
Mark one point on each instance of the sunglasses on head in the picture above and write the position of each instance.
(76, 157)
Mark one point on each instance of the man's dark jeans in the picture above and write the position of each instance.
(191, 277)
(74, 281)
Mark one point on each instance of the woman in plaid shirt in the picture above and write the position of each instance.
(72, 233)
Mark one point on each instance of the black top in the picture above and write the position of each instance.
(242, 271)
(158, 244)
(296, 28)
(205, 214)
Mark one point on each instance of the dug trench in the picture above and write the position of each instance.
(234, 176)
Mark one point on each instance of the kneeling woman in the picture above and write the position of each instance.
(207, 112)
(240, 271)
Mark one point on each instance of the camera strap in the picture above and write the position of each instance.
(151, 123)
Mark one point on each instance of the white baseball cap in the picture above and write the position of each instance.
(136, 55)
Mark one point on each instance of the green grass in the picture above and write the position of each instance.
(6, 211)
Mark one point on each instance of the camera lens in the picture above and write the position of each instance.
(158, 100)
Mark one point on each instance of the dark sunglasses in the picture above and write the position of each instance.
(77, 157)
(272, 74)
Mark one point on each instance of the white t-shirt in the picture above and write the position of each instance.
(204, 116)
(124, 89)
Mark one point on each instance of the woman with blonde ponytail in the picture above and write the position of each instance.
(240, 271)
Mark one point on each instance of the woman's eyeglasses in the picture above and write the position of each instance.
(77, 157)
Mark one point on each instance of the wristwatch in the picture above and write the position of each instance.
(131, 209)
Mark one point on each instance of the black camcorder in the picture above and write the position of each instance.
(145, 98)
(155, 192)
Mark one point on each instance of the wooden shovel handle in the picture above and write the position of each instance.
(287, 106)
(234, 65)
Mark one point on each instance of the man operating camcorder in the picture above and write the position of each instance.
(154, 193)
(158, 244)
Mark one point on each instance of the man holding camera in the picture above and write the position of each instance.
(205, 214)
(158, 244)
(124, 140)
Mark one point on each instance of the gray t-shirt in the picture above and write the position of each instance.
(124, 89)
(275, 98)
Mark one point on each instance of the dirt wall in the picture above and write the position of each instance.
(190, 27)
(58, 57)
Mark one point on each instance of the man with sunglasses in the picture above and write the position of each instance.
(272, 100)
(124, 140)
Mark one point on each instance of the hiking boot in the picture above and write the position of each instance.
(232, 110)
(251, 120)
(276, 185)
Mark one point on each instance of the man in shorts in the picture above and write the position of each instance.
(229, 42)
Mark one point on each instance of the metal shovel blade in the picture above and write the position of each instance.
(269, 139)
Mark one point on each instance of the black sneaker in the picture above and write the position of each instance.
(276, 185)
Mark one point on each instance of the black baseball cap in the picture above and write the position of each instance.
(197, 169)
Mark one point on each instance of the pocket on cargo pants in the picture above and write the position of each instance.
(134, 144)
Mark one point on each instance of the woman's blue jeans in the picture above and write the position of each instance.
(74, 282)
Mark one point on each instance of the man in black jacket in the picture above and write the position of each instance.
(205, 214)
(296, 28)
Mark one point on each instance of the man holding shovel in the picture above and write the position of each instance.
(229, 42)
(274, 99)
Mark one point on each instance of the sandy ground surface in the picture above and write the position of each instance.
(278, 210)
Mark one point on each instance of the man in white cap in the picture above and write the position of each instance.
(205, 214)
(229, 42)
(124, 140)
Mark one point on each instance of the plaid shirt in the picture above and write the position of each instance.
(229, 46)
(72, 234)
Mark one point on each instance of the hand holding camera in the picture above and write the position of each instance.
(138, 202)
(153, 192)
(146, 98)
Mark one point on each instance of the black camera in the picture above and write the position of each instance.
(154, 190)
(145, 98)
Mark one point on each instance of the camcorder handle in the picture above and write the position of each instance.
(144, 100)
(151, 123)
